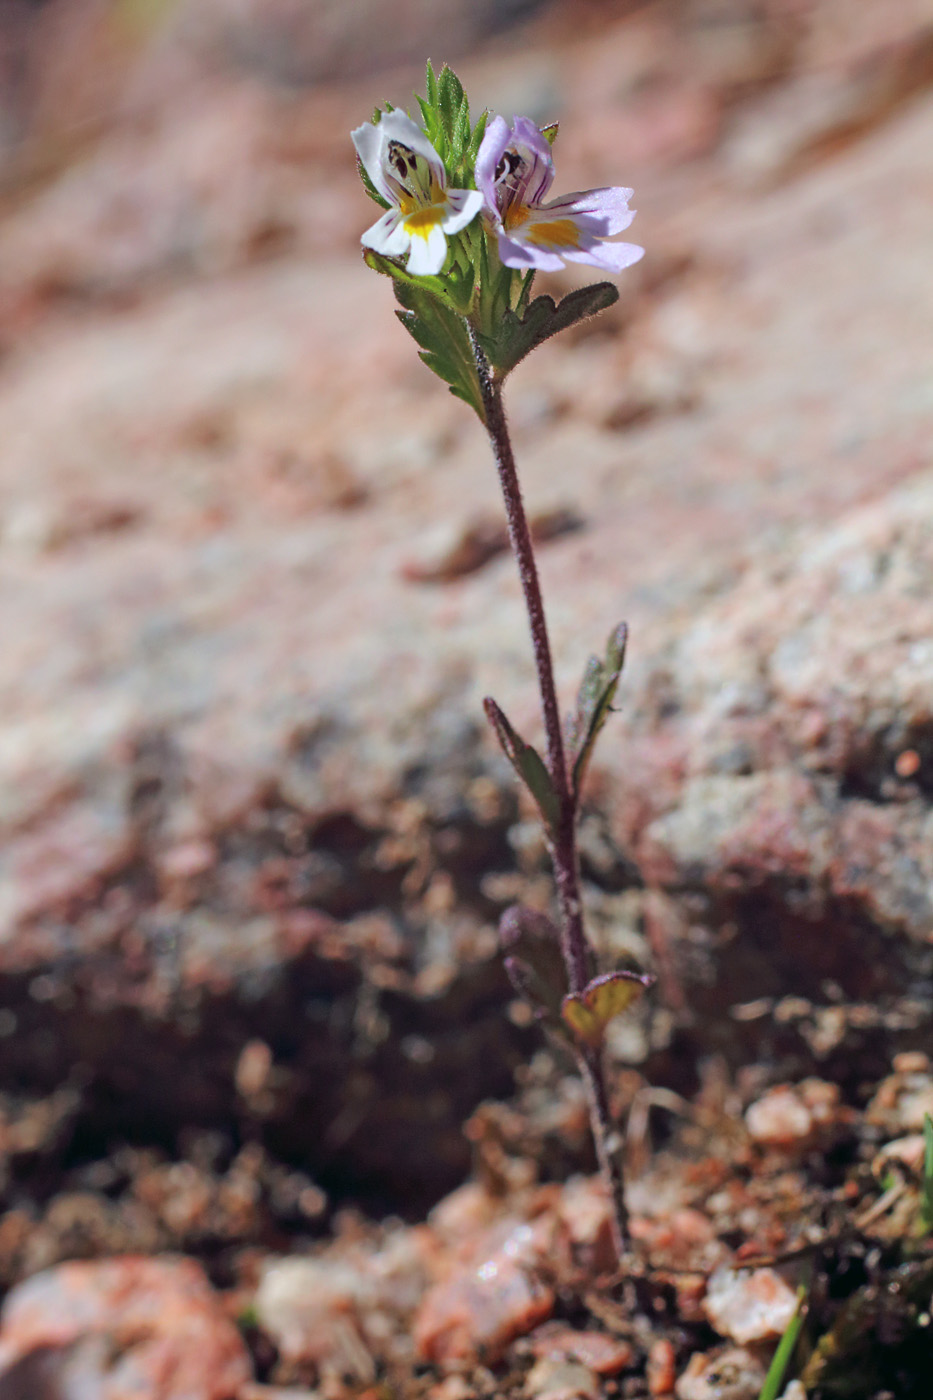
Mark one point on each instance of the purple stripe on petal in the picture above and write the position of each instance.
(607, 208)
(463, 207)
(398, 126)
(387, 235)
(537, 150)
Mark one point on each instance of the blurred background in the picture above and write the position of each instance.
(253, 587)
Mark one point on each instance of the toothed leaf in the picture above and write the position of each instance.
(516, 336)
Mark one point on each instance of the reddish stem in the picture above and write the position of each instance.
(575, 946)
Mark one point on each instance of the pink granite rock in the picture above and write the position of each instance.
(150, 1329)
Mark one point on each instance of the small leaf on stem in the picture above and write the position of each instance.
(589, 1012)
(594, 701)
(528, 764)
(533, 961)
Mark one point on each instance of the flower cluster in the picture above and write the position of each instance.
(467, 223)
(513, 174)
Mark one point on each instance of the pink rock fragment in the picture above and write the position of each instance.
(131, 1328)
(483, 1305)
(796, 1115)
(585, 1213)
(338, 1311)
(729, 1374)
(554, 1379)
(749, 1305)
(908, 1150)
(601, 1353)
(660, 1367)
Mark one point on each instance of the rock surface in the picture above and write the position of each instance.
(247, 797)
(254, 841)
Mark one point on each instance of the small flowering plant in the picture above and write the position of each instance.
(466, 225)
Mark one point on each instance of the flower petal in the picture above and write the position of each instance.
(398, 126)
(370, 147)
(463, 207)
(491, 150)
(514, 252)
(428, 252)
(611, 257)
(536, 149)
(514, 168)
(388, 235)
(605, 210)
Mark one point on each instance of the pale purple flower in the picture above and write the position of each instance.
(514, 170)
(409, 174)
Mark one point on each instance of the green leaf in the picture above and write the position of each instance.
(430, 84)
(516, 336)
(594, 701)
(450, 99)
(445, 345)
(369, 187)
(774, 1380)
(527, 763)
(479, 131)
(438, 287)
(429, 118)
(432, 318)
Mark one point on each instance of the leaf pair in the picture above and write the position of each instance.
(589, 1012)
(535, 966)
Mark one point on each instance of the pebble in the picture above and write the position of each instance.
(731, 1374)
(333, 1312)
(909, 1151)
(123, 1329)
(482, 1306)
(749, 1305)
(601, 1353)
(661, 1367)
(550, 1379)
(902, 1100)
(791, 1115)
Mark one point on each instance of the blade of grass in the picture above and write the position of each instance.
(782, 1357)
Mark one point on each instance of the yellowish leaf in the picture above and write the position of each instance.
(589, 1012)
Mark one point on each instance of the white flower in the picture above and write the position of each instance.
(407, 171)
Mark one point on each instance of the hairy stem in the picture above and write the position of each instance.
(575, 946)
